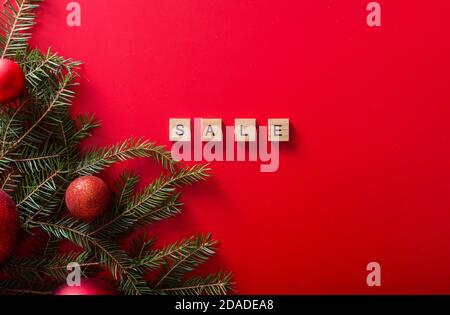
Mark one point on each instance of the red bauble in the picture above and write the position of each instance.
(12, 81)
(87, 197)
(9, 225)
(88, 287)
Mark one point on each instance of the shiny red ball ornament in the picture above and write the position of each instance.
(87, 197)
(12, 81)
(88, 287)
(9, 225)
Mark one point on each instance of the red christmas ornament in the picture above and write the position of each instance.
(87, 197)
(9, 225)
(88, 287)
(12, 81)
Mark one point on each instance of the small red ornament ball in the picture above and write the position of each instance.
(12, 81)
(9, 225)
(88, 287)
(87, 197)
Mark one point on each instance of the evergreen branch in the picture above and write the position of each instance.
(22, 286)
(77, 232)
(34, 160)
(51, 207)
(97, 160)
(159, 191)
(154, 202)
(48, 62)
(62, 98)
(16, 19)
(24, 291)
(185, 258)
(68, 136)
(38, 67)
(87, 123)
(141, 245)
(36, 195)
(40, 267)
(18, 291)
(36, 188)
(9, 128)
(170, 208)
(109, 254)
(123, 223)
(45, 70)
(9, 181)
(214, 284)
(38, 158)
(134, 285)
(125, 186)
(51, 246)
(154, 259)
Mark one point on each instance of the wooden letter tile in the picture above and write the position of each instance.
(279, 129)
(180, 129)
(212, 130)
(245, 130)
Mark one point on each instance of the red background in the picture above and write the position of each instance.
(366, 174)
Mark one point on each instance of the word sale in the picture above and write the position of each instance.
(210, 143)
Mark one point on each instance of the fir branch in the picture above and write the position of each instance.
(35, 160)
(13, 291)
(141, 245)
(40, 68)
(155, 202)
(69, 137)
(10, 180)
(41, 267)
(14, 288)
(134, 284)
(170, 208)
(13, 126)
(115, 259)
(44, 72)
(96, 160)
(20, 286)
(36, 195)
(123, 223)
(87, 124)
(154, 259)
(125, 186)
(108, 254)
(51, 246)
(48, 209)
(214, 284)
(15, 22)
(182, 258)
(58, 103)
